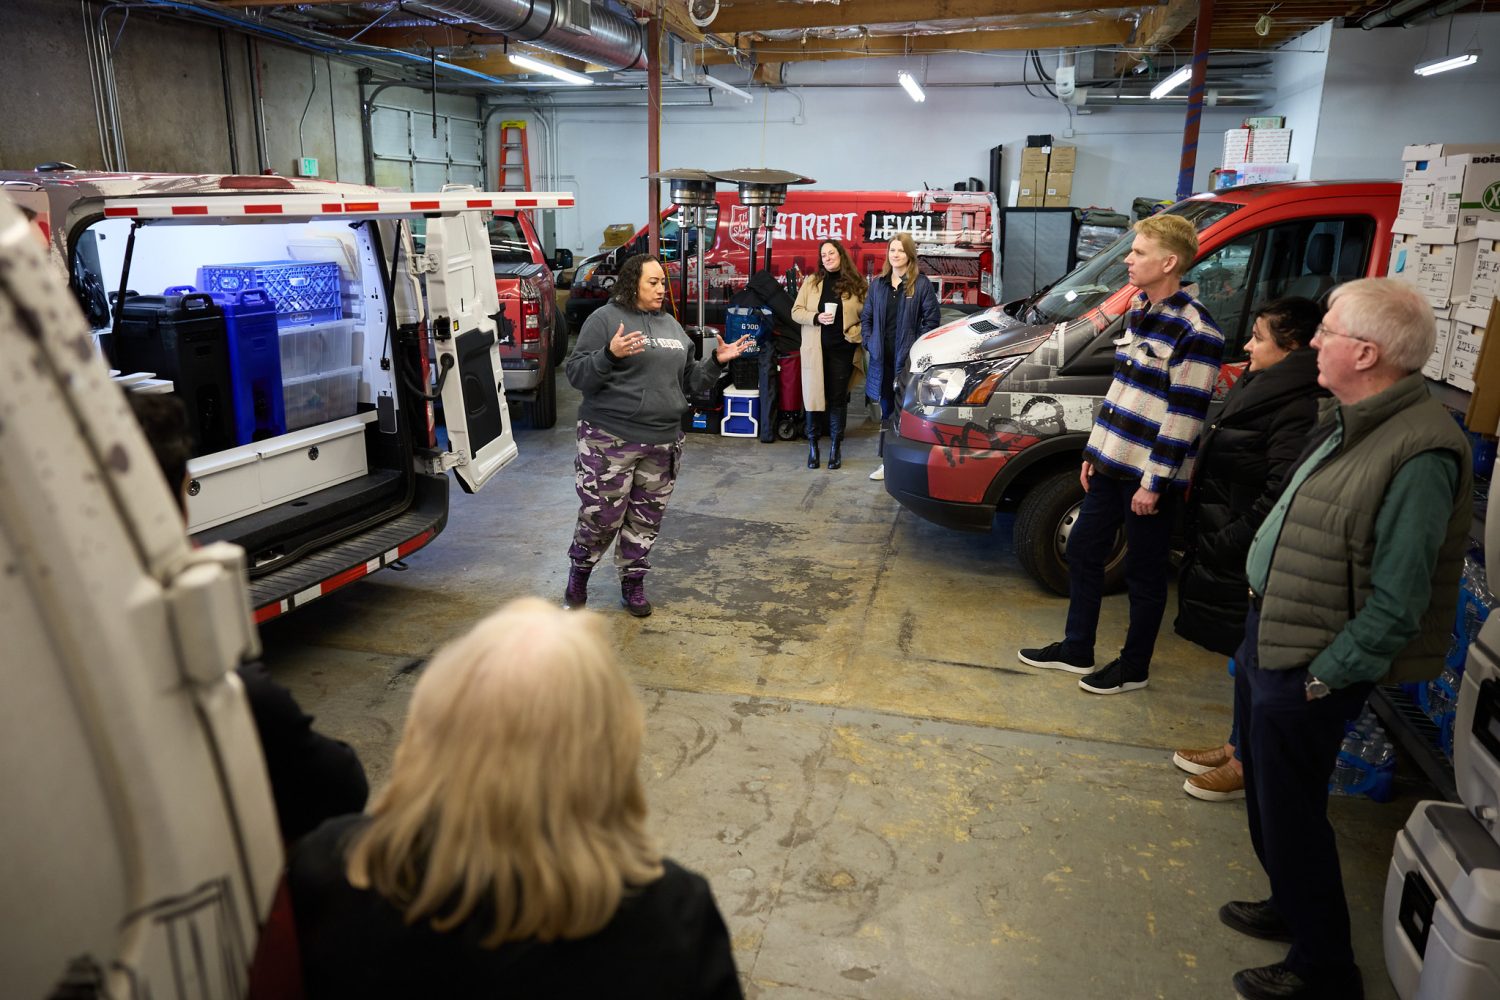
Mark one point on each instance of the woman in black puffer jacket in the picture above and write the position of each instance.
(1244, 458)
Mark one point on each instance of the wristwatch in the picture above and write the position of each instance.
(1317, 688)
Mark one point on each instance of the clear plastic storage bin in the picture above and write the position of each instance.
(320, 397)
(312, 350)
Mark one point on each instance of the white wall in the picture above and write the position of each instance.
(870, 137)
(1298, 71)
(1373, 104)
(319, 98)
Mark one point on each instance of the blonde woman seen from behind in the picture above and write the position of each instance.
(508, 854)
(830, 299)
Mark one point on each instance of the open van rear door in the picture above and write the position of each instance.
(462, 302)
(463, 309)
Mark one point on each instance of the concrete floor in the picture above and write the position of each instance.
(841, 739)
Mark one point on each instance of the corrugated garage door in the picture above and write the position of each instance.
(408, 157)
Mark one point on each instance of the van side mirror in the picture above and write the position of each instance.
(562, 259)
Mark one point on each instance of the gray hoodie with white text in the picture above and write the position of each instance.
(642, 397)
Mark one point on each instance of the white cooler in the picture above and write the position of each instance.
(1476, 728)
(1442, 907)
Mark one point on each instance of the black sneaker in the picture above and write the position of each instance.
(1113, 678)
(1052, 658)
(1277, 982)
(1258, 919)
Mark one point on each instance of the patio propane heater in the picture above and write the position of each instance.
(693, 193)
(761, 191)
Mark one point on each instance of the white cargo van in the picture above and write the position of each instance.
(139, 849)
(300, 328)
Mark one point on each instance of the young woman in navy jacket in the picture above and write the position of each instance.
(902, 305)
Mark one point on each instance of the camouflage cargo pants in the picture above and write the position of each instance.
(622, 490)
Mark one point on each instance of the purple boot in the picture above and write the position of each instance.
(577, 594)
(633, 595)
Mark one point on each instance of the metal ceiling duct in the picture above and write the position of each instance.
(584, 29)
(1405, 12)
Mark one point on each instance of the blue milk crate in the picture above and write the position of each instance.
(254, 362)
(304, 291)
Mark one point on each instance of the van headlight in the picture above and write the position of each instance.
(969, 384)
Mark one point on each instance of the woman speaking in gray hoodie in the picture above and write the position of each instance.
(633, 364)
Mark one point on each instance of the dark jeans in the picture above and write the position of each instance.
(1234, 718)
(1289, 753)
(1105, 507)
(770, 388)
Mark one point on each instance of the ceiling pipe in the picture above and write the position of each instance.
(612, 41)
(1433, 13)
(1397, 12)
(1215, 99)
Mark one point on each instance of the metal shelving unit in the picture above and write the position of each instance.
(1416, 735)
(1408, 726)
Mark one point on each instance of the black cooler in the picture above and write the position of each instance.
(182, 337)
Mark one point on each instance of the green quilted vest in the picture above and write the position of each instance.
(1320, 570)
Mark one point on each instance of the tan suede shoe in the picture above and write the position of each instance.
(1219, 785)
(1200, 761)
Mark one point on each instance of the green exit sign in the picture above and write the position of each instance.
(307, 166)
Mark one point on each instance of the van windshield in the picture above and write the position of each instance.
(1104, 274)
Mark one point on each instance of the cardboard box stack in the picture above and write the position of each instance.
(1446, 240)
(1033, 176)
(1258, 152)
(1047, 176)
(1060, 176)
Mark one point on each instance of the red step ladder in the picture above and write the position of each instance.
(515, 165)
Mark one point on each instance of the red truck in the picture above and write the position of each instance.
(533, 336)
(999, 404)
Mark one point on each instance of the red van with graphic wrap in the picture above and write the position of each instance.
(999, 405)
(957, 245)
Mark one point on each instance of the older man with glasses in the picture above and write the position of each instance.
(1353, 582)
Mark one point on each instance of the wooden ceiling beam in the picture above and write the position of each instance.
(758, 15)
(1092, 33)
(1156, 29)
(674, 18)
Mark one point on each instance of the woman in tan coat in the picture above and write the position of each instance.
(830, 300)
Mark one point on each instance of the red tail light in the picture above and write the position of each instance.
(531, 318)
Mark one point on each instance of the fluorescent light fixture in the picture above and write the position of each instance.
(537, 66)
(728, 88)
(1446, 63)
(913, 90)
(1172, 82)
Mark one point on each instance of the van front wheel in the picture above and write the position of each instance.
(1046, 516)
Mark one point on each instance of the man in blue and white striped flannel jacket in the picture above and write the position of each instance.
(1138, 458)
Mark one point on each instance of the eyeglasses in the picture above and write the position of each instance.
(1325, 331)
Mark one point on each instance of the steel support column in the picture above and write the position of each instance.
(653, 133)
(1195, 99)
